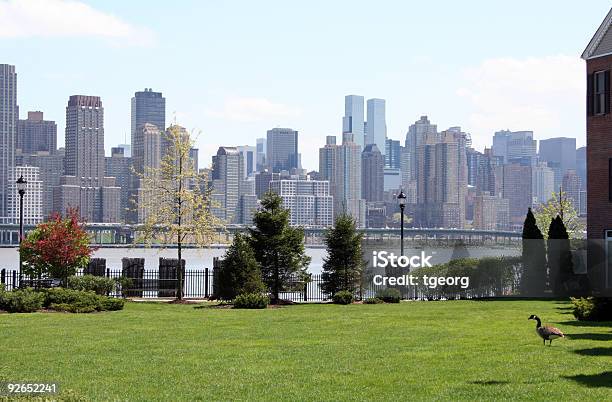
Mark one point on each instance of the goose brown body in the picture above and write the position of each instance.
(546, 332)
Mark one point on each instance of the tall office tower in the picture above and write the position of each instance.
(474, 160)
(149, 155)
(119, 166)
(442, 180)
(376, 129)
(542, 183)
(347, 180)
(226, 179)
(327, 159)
(127, 150)
(561, 152)
(514, 145)
(309, 201)
(9, 114)
(491, 212)
(372, 174)
(262, 182)
(50, 169)
(249, 156)
(36, 134)
(353, 120)
(148, 107)
(486, 177)
(194, 158)
(282, 149)
(32, 199)
(84, 185)
(581, 166)
(571, 186)
(414, 138)
(516, 188)
(409, 185)
(261, 154)
(392, 154)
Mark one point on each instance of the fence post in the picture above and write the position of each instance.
(306, 291)
(3, 276)
(15, 279)
(206, 282)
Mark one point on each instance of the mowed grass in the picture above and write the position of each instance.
(450, 350)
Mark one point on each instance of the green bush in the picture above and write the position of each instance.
(124, 283)
(389, 295)
(21, 301)
(80, 301)
(251, 300)
(343, 297)
(99, 284)
(111, 304)
(373, 300)
(72, 308)
(592, 309)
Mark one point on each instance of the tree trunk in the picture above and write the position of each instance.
(179, 274)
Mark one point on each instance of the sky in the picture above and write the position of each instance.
(231, 70)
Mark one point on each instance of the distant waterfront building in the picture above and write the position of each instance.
(282, 149)
(50, 169)
(9, 114)
(392, 154)
(392, 179)
(561, 152)
(346, 188)
(84, 184)
(119, 167)
(148, 116)
(308, 201)
(571, 186)
(261, 154)
(376, 127)
(35, 134)
(262, 182)
(32, 199)
(517, 189)
(372, 174)
(415, 137)
(543, 183)
(226, 182)
(353, 120)
(249, 156)
(514, 145)
(491, 212)
(581, 166)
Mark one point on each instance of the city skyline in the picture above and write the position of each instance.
(241, 104)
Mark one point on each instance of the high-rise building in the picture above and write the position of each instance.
(581, 166)
(415, 137)
(353, 120)
(372, 174)
(376, 128)
(309, 201)
(9, 114)
(515, 145)
(392, 154)
(560, 152)
(542, 183)
(50, 169)
(226, 182)
(84, 184)
(249, 156)
(261, 154)
(119, 166)
(282, 149)
(491, 212)
(346, 188)
(148, 108)
(409, 185)
(517, 189)
(36, 134)
(571, 186)
(262, 182)
(32, 199)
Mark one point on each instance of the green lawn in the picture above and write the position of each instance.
(451, 350)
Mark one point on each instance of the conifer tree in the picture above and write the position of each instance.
(534, 275)
(560, 263)
(239, 272)
(343, 266)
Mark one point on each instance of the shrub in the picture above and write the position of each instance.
(343, 297)
(79, 301)
(251, 300)
(124, 283)
(21, 301)
(98, 284)
(72, 308)
(373, 300)
(592, 309)
(111, 304)
(389, 295)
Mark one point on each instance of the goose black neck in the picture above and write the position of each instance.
(539, 323)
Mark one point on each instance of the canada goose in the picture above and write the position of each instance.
(547, 333)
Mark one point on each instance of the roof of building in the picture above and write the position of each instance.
(601, 43)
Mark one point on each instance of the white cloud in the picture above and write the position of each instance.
(545, 95)
(252, 110)
(65, 18)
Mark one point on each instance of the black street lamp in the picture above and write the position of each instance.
(401, 199)
(21, 189)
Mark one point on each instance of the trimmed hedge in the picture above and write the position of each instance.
(251, 300)
(389, 295)
(373, 300)
(88, 283)
(592, 309)
(77, 301)
(21, 301)
(343, 297)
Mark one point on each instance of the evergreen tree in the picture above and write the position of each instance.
(533, 278)
(239, 271)
(560, 263)
(343, 266)
(278, 247)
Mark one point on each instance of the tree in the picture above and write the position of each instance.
(344, 264)
(56, 248)
(173, 201)
(278, 247)
(239, 272)
(560, 262)
(533, 278)
(559, 204)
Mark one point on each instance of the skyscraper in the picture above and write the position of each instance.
(543, 183)
(347, 180)
(353, 120)
(226, 180)
(119, 167)
(559, 152)
(372, 174)
(9, 114)
(282, 149)
(309, 201)
(50, 170)
(392, 154)
(249, 156)
(514, 145)
(571, 186)
(517, 189)
(36, 134)
(261, 154)
(376, 128)
(84, 185)
(415, 137)
(32, 199)
(148, 107)
(581, 167)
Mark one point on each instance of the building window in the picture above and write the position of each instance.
(598, 102)
(610, 179)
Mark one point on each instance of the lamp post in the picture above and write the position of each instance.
(401, 199)
(21, 189)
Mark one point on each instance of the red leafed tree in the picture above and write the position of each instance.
(56, 248)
